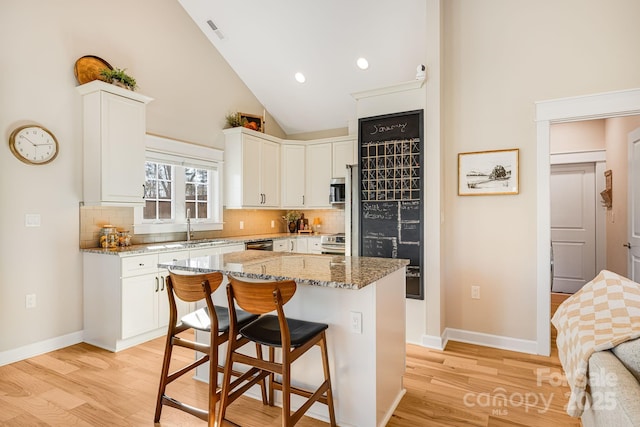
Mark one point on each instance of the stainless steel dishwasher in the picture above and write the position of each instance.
(260, 245)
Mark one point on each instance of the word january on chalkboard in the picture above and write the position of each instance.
(391, 127)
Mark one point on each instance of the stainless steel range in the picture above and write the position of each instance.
(332, 244)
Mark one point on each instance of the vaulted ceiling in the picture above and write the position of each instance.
(268, 42)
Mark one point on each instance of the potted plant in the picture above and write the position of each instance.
(291, 218)
(118, 77)
(233, 120)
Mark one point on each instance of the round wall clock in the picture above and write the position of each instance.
(33, 144)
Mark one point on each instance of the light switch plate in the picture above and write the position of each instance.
(32, 220)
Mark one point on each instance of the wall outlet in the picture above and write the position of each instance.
(475, 292)
(356, 322)
(241, 225)
(30, 300)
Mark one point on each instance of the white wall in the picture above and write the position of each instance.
(40, 41)
(501, 56)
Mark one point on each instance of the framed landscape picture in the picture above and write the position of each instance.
(485, 173)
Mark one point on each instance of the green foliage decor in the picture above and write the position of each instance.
(118, 75)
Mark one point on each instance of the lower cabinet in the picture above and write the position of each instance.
(125, 297)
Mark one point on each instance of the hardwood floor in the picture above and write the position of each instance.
(465, 385)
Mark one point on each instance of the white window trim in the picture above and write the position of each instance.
(180, 153)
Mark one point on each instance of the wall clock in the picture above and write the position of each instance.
(33, 144)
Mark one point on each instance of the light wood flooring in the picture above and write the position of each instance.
(465, 385)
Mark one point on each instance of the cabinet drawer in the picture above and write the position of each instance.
(281, 245)
(136, 265)
(314, 245)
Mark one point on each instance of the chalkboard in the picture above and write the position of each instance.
(391, 172)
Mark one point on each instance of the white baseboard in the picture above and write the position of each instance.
(434, 342)
(35, 349)
(488, 340)
(479, 338)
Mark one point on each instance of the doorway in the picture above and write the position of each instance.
(605, 105)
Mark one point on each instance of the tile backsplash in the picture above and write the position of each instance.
(256, 221)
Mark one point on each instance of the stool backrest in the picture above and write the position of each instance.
(261, 297)
(193, 287)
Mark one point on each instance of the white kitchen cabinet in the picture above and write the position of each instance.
(317, 175)
(293, 175)
(125, 298)
(343, 154)
(113, 145)
(252, 170)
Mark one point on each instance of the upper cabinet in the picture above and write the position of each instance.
(344, 153)
(293, 175)
(318, 175)
(262, 171)
(113, 140)
(252, 170)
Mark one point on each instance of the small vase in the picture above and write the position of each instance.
(292, 227)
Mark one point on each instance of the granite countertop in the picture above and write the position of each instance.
(319, 270)
(193, 244)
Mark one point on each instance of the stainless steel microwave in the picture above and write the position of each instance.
(337, 192)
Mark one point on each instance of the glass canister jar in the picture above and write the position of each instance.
(108, 237)
(124, 238)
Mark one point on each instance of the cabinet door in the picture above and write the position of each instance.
(251, 161)
(293, 175)
(301, 245)
(139, 304)
(122, 149)
(343, 154)
(270, 174)
(318, 175)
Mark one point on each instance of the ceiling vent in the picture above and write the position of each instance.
(215, 29)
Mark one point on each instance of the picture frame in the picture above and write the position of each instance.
(485, 173)
(251, 121)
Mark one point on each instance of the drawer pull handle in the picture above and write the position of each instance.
(162, 286)
(157, 286)
(141, 264)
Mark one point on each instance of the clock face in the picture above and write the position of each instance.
(33, 144)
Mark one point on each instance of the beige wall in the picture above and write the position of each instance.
(500, 57)
(40, 41)
(571, 137)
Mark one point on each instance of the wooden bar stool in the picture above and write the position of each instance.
(293, 336)
(212, 319)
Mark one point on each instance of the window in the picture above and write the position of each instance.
(178, 186)
(158, 191)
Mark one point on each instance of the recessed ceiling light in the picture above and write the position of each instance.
(362, 63)
(300, 78)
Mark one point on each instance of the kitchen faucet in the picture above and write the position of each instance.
(188, 224)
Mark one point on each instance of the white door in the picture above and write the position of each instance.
(634, 206)
(573, 234)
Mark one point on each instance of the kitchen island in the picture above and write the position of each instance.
(362, 300)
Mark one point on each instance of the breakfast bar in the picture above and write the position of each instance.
(362, 299)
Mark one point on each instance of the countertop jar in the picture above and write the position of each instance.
(108, 237)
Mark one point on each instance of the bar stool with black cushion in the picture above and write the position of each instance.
(293, 336)
(212, 319)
